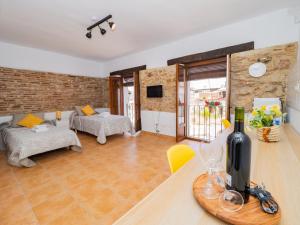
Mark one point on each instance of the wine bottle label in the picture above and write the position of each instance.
(228, 179)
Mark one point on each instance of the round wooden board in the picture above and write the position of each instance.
(250, 214)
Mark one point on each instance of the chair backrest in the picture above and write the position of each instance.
(178, 155)
(258, 102)
(226, 123)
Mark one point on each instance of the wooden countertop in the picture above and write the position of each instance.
(276, 164)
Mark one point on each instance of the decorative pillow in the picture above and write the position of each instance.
(88, 110)
(20, 116)
(78, 111)
(30, 121)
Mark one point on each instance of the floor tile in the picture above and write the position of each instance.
(75, 215)
(13, 207)
(44, 192)
(52, 208)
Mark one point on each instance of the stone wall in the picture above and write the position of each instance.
(165, 76)
(31, 91)
(245, 88)
(293, 96)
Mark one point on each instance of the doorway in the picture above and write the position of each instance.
(206, 105)
(125, 96)
(202, 98)
(129, 103)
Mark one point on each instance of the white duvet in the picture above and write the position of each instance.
(23, 142)
(101, 126)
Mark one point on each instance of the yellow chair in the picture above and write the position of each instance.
(226, 123)
(178, 155)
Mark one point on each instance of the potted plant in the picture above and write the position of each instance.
(267, 121)
(212, 105)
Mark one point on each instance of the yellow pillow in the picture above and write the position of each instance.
(30, 121)
(88, 110)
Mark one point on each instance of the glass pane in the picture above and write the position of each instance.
(206, 107)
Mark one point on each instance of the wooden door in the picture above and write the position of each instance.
(137, 102)
(180, 102)
(116, 95)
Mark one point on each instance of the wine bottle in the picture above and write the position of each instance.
(238, 157)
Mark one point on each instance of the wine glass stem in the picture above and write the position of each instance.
(210, 174)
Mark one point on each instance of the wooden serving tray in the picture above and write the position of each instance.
(250, 214)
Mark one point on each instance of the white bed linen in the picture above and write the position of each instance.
(103, 126)
(23, 142)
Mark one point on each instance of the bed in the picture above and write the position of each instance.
(102, 125)
(21, 143)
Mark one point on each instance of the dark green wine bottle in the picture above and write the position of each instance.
(238, 159)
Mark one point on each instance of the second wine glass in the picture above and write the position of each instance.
(212, 157)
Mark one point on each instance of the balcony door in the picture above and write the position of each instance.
(116, 95)
(180, 102)
(137, 102)
(207, 98)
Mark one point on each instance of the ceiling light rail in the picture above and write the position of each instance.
(111, 24)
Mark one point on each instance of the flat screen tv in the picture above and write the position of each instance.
(155, 91)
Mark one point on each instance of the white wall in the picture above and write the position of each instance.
(267, 30)
(166, 122)
(15, 56)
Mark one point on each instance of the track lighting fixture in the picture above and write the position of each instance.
(102, 31)
(89, 35)
(111, 24)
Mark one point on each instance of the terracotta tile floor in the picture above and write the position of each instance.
(93, 187)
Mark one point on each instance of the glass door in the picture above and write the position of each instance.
(207, 98)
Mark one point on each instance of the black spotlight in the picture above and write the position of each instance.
(112, 25)
(102, 31)
(89, 35)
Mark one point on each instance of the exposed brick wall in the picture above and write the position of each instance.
(31, 91)
(245, 88)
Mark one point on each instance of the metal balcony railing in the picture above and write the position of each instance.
(205, 122)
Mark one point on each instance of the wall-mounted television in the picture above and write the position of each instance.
(155, 91)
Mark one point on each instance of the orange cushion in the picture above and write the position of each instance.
(88, 110)
(30, 121)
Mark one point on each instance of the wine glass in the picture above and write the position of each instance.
(229, 200)
(211, 157)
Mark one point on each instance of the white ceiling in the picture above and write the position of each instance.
(60, 25)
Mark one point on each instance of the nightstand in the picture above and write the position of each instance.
(62, 123)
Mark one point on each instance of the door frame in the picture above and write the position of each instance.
(180, 138)
(228, 85)
(137, 101)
